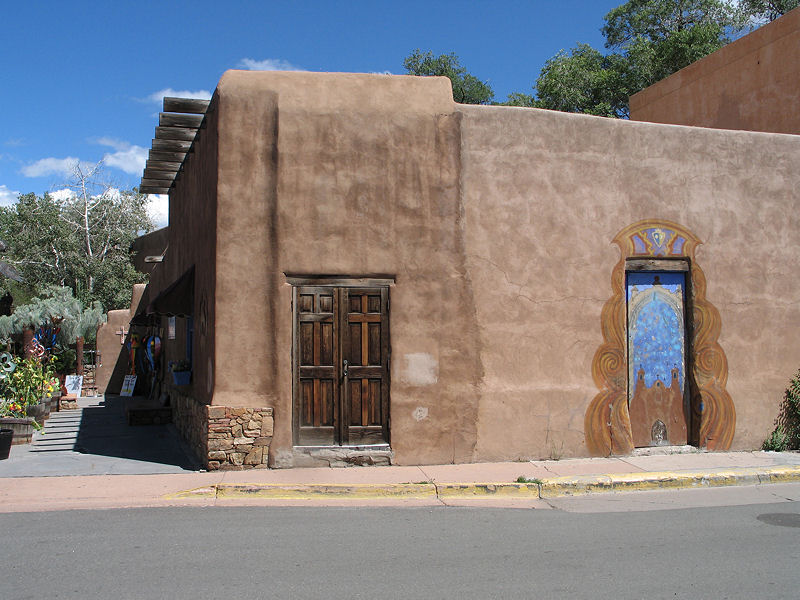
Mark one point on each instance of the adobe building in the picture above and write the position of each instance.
(364, 270)
(752, 83)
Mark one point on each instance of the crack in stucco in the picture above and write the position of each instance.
(521, 287)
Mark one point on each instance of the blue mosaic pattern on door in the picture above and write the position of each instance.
(655, 327)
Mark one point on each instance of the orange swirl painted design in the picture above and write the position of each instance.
(607, 421)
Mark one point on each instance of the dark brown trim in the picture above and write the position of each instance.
(328, 281)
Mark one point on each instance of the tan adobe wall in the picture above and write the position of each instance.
(496, 224)
(113, 354)
(544, 195)
(191, 241)
(752, 83)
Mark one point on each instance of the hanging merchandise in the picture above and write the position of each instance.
(46, 336)
(152, 351)
(134, 352)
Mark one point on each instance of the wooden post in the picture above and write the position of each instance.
(79, 355)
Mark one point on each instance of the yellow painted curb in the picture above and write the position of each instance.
(306, 491)
(627, 482)
(506, 490)
(552, 487)
(201, 492)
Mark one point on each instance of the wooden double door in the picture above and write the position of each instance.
(341, 365)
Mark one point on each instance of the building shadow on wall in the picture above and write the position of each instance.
(104, 431)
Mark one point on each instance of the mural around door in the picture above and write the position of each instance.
(709, 411)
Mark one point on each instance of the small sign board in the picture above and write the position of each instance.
(171, 328)
(74, 384)
(127, 385)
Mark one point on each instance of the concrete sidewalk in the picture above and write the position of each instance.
(479, 484)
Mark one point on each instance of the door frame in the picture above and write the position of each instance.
(341, 412)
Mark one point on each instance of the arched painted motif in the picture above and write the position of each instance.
(607, 421)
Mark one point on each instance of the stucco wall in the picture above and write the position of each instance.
(496, 225)
(546, 192)
(113, 360)
(752, 83)
(191, 241)
(352, 175)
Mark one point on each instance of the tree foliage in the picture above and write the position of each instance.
(81, 241)
(647, 40)
(56, 308)
(467, 89)
(584, 80)
(768, 10)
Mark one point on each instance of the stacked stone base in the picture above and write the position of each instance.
(238, 438)
(190, 418)
(224, 437)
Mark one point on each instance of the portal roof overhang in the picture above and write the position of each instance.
(177, 128)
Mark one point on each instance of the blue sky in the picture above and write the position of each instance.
(84, 80)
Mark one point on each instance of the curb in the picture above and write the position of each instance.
(553, 487)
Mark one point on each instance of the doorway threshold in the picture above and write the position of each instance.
(665, 450)
(342, 456)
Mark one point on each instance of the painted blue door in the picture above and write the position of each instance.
(657, 357)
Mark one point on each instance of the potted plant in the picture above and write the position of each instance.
(28, 385)
(181, 372)
(13, 417)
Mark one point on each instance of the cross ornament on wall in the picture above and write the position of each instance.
(122, 332)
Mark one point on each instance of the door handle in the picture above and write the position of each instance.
(344, 370)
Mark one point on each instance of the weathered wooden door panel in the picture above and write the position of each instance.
(341, 360)
(365, 357)
(316, 368)
(657, 399)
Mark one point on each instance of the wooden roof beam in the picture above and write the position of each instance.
(162, 165)
(148, 189)
(185, 105)
(160, 184)
(171, 145)
(176, 133)
(178, 120)
(160, 155)
(160, 175)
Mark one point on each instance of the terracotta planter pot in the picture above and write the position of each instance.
(22, 428)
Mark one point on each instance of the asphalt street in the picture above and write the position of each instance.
(740, 551)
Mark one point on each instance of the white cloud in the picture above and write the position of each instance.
(7, 196)
(51, 166)
(169, 92)
(131, 161)
(158, 209)
(268, 64)
(62, 194)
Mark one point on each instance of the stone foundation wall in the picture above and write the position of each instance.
(239, 438)
(191, 420)
(224, 437)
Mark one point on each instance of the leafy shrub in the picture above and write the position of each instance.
(786, 435)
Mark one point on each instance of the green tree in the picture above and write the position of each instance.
(81, 241)
(585, 81)
(467, 89)
(768, 10)
(648, 40)
(660, 37)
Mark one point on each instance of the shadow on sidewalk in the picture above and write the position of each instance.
(104, 431)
